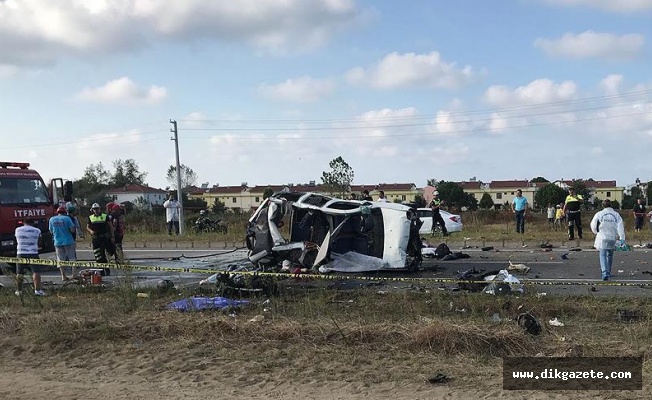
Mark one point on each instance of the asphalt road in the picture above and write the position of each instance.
(562, 265)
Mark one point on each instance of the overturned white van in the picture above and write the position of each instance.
(332, 234)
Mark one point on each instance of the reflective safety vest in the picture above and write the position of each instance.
(99, 223)
(434, 204)
(573, 202)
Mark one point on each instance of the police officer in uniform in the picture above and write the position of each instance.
(435, 204)
(101, 230)
(572, 209)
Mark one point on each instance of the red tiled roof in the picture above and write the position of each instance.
(515, 184)
(133, 188)
(470, 185)
(227, 189)
(595, 184)
(395, 186)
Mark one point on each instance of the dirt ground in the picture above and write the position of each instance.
(147, 372)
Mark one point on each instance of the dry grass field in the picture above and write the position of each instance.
(320, 344)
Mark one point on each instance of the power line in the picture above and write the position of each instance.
(472, 130)
(452, 113)
(97, 139)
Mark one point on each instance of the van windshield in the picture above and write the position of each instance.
(23, 191)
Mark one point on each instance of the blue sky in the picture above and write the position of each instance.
(269, 91)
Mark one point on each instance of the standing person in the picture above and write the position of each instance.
(172, 208)
(559, 216)
(101, 230)
(639, 215)
(63, 231)
(381, 197)
(649, 215)
(572, 209)
(551, 215)
(437, 219)
(71, 208)
(366, 197)
(607, 226)
(117, 214)
(519, 207)
(27, 237)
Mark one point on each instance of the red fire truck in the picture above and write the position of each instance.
(23, 194)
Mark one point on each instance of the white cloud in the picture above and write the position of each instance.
(123, 90)
(301, 90)
(412, 70)
(590, 44)
(36, 32)
(621, 6)
(93, 148)
(611, 84)
(536, 92)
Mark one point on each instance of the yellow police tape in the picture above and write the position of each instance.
(93, 264)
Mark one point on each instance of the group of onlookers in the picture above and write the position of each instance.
(106, 230)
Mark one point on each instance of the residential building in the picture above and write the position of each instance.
(501, 192)
(244, 198)
(141, 196)
(601, 190)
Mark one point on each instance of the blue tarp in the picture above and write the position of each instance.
(205, 303)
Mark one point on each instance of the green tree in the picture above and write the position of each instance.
(127, 172)
(597, 203)
(339, 179)
(268, 192)
(193, 203)
(549, 194)
(539, 179)
(581, 188)
(218, 207)
(188, 176)
(431, 182)
(92, 186)
(486, 202)
(419, 201)
(615, 205)
(630, 199)
(454, 196)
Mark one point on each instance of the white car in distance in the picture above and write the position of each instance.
(453, 221)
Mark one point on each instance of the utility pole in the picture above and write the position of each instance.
(176, 150)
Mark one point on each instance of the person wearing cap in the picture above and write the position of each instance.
(101, 230)
(608, 227)
(519, 208)
(435, 206)
(27, 237)
(572, 209)
(63, 231)
(71, 208)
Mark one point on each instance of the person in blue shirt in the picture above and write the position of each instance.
(63, 230)
(519, 207)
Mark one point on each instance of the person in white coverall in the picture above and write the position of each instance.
(608, 227)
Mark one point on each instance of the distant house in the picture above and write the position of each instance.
(244, 198)
(141, 196)
(601, 190)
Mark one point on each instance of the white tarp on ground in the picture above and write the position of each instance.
(353, 262)
(503, 283)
